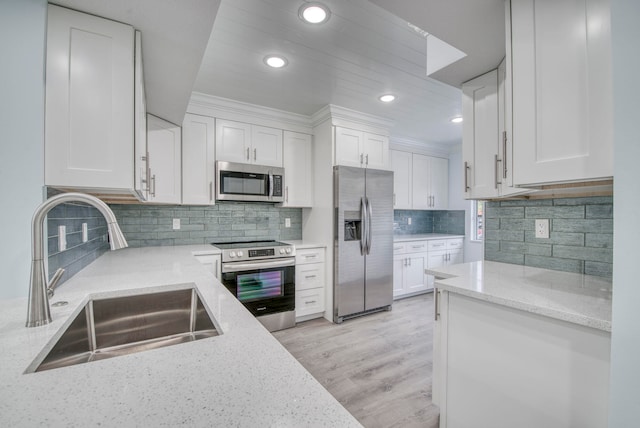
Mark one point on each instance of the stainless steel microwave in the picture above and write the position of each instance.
(246, 182)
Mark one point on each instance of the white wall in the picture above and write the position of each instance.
(22, 45)
(473, 250)
(625, 345)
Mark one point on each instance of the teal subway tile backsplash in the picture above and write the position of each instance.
(449, 222)
(152, 225)
(580, 239)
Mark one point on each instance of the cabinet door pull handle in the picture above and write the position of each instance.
(504, 154)
(211, 191)
(248, 153)
(367, 159)
(497, 161)
(286, 194)
(309, 276)
(394, 199)
(361, 158)
(255, 154)
(153, 185)
(466, 177)
(436, 307)
(309, 302)
(310, 256)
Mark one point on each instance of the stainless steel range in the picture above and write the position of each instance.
(261, 274)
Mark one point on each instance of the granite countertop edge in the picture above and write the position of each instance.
(586, 301)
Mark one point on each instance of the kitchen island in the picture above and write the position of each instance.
(520, 346)
(241, 378)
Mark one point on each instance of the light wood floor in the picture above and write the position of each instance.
(377, 366)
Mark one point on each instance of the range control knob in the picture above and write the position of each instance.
(281, 250)
(232, 254)
(240, 254)
(288, 250)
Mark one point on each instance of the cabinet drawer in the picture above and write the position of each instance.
(309, 302)
(416, 246)
(309, 255)
(438, 244)
(398, 248)
(453, 244)
(309, 276)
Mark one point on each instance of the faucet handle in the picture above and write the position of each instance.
(54, 281)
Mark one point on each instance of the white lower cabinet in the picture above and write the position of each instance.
(409, 263)
(310, 283)
(211, 262)
(539, 371)
(411, 258)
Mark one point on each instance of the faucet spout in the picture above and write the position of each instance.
(38, 312)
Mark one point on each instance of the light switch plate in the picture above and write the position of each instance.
(408, 220)
(287, 222)
(85, 232)
(542, 228)
(176, 223)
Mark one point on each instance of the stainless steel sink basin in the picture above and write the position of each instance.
(107, 328)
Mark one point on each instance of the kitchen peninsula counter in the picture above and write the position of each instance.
(532, 344)
(241, 378)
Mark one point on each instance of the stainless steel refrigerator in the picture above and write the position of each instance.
(363, 247)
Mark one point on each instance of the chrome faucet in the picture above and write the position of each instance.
(38, 312)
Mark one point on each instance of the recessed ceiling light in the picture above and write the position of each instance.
(314, 13)
(387, 98)
(275, 61)
(457, 119)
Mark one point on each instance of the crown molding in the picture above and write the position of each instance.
(421, 147)
(342, 116)
(225, 108)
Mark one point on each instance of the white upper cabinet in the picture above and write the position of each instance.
(298, 170)
(266, 145)
(401, 164)
(361, 149)
(140, 122)
(480, 136)
(430, 189)
(198, 160)
(163, 160)
(560, 56)
(245, 143)
(89, 127)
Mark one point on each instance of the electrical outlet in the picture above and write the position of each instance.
(409, 220)
(62, 238)
(287, 222)
(176, 223)
(85, 232)
(542, 228)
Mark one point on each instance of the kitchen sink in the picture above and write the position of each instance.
(111, 327)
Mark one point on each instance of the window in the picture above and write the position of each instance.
(477, 220)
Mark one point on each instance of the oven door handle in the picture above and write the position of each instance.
(270, 185)
(239, 267)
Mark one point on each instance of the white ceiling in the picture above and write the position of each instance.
(362, 52)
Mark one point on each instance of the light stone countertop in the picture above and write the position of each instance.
(423, 237)
(303, 245)
(242, 378)
(576, 298)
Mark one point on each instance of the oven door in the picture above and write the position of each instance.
(263, 287)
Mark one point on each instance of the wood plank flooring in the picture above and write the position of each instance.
(377, 366)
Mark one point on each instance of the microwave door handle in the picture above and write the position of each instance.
(270, 184)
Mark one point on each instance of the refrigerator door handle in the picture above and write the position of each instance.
(364, 228)
(369, 228)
